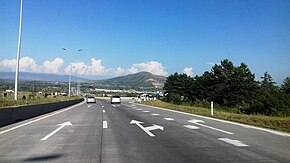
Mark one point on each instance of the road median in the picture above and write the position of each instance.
(11, 115)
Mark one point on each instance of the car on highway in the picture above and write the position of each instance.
(91, 99)
(115, 99)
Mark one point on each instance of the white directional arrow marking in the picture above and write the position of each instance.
(147, 129)
(56, 130)
(233, 142)
(197, 122)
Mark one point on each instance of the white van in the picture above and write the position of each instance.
(144, 97)
(115, 99)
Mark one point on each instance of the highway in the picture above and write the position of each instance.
(130, 132)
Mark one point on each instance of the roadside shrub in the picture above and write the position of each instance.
(31, 96)
(243, 107)
(202, 103)
(45, 95)
(175, 98)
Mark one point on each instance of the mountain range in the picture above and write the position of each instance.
(38, 77)
(141, 79)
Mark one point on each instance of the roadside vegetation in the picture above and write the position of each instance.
(31, 98)
(237, 96)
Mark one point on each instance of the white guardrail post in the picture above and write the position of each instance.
(211, 108)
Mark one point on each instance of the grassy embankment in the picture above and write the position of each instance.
(277, 123)
(31, 99)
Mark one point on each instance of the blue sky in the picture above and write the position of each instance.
(161, 36)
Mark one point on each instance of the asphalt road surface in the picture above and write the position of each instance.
(129, 132)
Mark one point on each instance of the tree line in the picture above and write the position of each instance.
(232, 87)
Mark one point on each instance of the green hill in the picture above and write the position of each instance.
(141, 79)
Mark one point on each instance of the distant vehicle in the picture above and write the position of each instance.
(144, 96)
(115, 99)
(91, 99)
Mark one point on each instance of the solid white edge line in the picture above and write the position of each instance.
(38, 119)
(220, 120)
(105, 124)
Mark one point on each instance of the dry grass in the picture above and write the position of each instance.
(36, 99)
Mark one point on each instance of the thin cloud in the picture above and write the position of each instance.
(188, 71)
(211, 63)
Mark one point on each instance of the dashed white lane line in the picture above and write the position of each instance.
(139, 109)
(102, 106)
(154, 114)
(169, 119)
(191, 127)
(233, 142)
(105, 124)
(89, 106)
(114, 106)
(145, 111)
(104, 111)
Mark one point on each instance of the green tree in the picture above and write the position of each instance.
(178, 85)
(203, 87)
(270, 100)
(232, 85)
(286, 85)
(267, 81)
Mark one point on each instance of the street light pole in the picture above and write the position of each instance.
(78, 82)
(69, 79)
(79, 89)
(78, 85)
(70, 67)
(18, 53)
